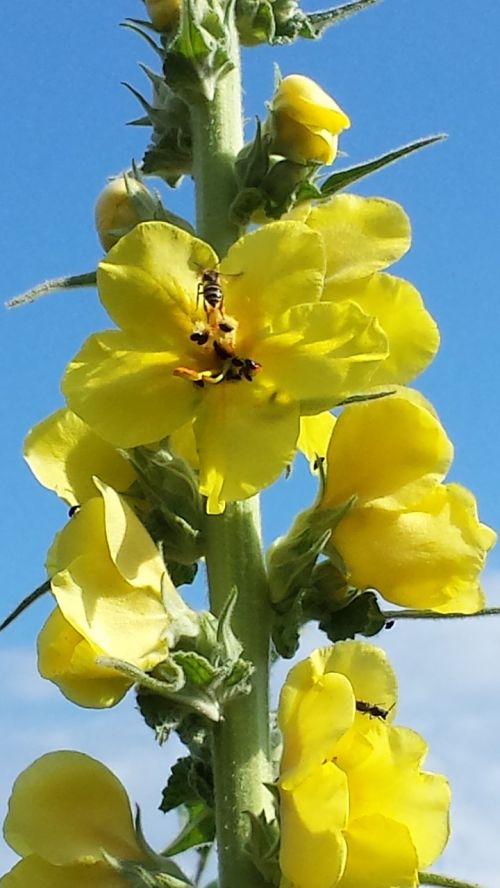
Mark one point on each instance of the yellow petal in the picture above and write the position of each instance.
(270, 270)
(313, 849)
(424, 557)
(34, 872)
(127, 396)
(369, 672)
(85, 808)
(361, 234)
(309, 104)
(324, 714)
(131, 548)
(380, 853)
(123, 621)
(391, 783)
(148, 282)
(183, 443)
(315, 434)
(302, 143)
(63, 453)
(322, 353)
(412, 333)
(85, 531)
(379, 447)
(65, 658)
(245, 440)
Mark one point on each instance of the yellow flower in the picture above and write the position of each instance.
(65, 809)
(164, 13)
(114, 600)
(416, 540)
(305, 121)
(114, 209)
(356, 809)
(362, 236)
(244, 359)
(64, 454)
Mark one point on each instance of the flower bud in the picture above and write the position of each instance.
(164, 13)
(115, 209)
(305, 121)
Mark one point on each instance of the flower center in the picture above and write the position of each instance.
(216, 336)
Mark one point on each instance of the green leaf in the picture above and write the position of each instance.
(69, 282)
(159, 714)
(25, 603)
(319, 21)
(226, 638)
(343, 178)
(190, 787)
(361, 616)
(263, 847)
(197, 669)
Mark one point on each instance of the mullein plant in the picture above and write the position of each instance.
(272, 329)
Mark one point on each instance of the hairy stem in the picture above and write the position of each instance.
(241, 739)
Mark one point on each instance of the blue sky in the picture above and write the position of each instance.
(401, 70)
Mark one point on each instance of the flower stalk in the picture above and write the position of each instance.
(241, 741)
(234, 555)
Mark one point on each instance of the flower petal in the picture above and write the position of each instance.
(245, 440)
(127, 396)
(34, 872)
(398, 306)
(63, 453)
(425, 557)
(315, 434)
(270, 270)
(368, 670)
(149, 281)
(322, 353)
(391, 783)
(380, 853)
(65, 658)
(85, 808)
(124, 622)
(379, 447)
(361, 234)
(131, 548)
(313, 848)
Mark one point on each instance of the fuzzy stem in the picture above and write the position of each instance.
(433, 615)
(444, 881)
(241, 740)
(233, 544)
(217, 131)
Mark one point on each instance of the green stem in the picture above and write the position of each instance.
(432, 615)
(241, 741)
(445, 881)
(217, 130)
(234, 558)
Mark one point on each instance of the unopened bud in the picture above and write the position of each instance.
(115, 210)
(305, 121)
(164, 13)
